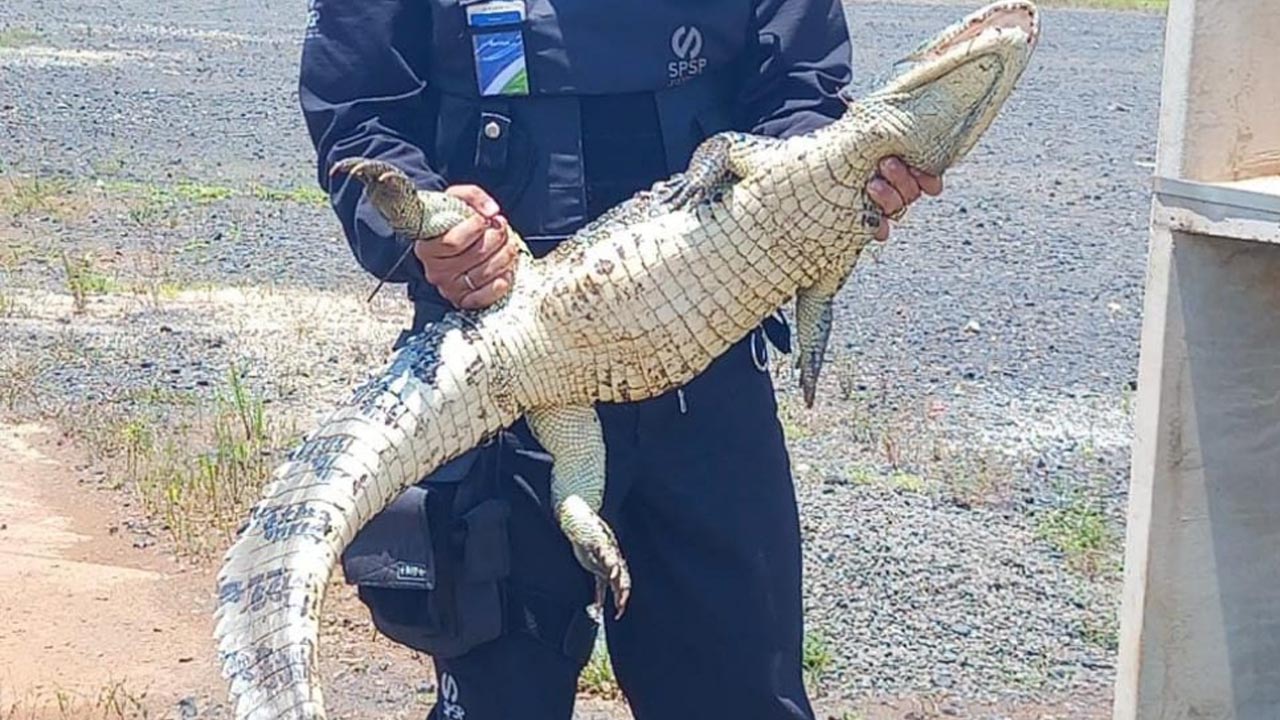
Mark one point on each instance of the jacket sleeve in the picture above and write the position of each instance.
(801, 61)
(361, 75)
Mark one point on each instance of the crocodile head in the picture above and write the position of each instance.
(948, 90)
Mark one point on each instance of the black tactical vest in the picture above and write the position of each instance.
(524, 144)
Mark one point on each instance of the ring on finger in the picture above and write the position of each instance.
(466, 278)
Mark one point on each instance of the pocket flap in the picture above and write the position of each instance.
(394, 549)
(487, 555)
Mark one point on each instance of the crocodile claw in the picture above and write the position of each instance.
(596, 548)
(390, 190)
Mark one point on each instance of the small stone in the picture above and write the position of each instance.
(973, 326)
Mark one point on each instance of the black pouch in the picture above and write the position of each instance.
(432, 580)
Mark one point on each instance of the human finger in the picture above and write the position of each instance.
(895, 171)
(476, 197)
(884, 195)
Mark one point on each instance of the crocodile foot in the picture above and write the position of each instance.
(596, 548)
(391, 192)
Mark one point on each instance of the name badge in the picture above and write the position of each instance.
(497, 41)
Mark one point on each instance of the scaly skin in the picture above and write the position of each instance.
(634, 305)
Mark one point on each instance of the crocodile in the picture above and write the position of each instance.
(633, 305)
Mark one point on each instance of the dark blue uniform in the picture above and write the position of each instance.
(560, 110)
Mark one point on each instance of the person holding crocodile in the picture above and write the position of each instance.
(543, 115)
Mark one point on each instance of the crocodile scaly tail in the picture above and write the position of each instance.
(432, 402)
(440, 395)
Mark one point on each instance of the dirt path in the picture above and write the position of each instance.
(97, 627)
(88, 617)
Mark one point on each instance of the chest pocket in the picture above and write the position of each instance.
(523, 145)
(482, 142)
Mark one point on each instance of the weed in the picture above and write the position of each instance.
(18, 37)
(84, 280)
(816, 658)
(908, 482)
(795, 425)
(861, 475)
(1102, 632)
(301, 195)
(974, 478)
(202, 193)
(199, 469)
(22, 197)
(1080, 531)
(19, 370)
(114, 701)
(597, 676)
(154, 208)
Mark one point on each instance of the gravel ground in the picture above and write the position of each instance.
(987, 355)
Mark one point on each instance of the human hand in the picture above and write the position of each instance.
(472, 264)
(896, 186)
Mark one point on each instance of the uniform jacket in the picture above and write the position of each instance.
(399, 80)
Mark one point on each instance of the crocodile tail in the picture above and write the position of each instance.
(429, 404)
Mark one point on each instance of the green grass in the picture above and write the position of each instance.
(17, 37)
(597, 678)
(84, 279)
(201, 193)
(115, 701)
(301, 195)
(816, 659)
(198, 466)
(1079, 531)
(22, 197)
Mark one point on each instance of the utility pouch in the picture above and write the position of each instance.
(432, 579)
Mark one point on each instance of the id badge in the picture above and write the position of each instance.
(498, 44)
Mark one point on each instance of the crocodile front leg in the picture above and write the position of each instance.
(412, 214)
(722, 158)
(573, 437)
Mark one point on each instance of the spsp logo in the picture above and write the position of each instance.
(449, 705)
(686, 44)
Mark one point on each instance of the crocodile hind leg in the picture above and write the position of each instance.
(813, 333)
(814, 313)
(576, 442)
